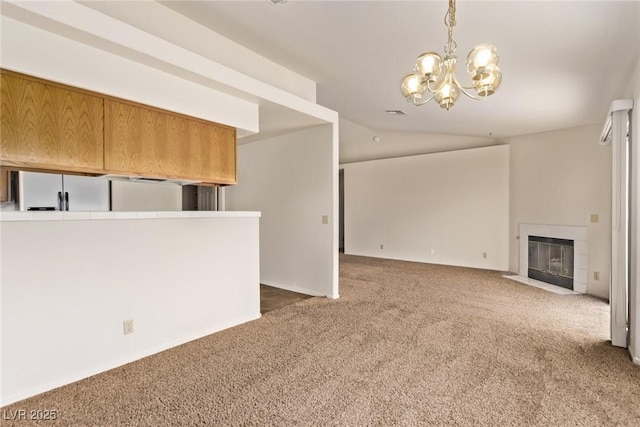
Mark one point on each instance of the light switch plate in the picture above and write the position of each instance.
(127, 326)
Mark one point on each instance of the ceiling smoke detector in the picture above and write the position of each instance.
(278, 1)
(396, 112)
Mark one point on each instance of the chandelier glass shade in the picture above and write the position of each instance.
(434, 76)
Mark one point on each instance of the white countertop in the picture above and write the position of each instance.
(84, 216)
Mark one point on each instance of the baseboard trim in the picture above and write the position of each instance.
(293, 289)
(391, 257)
(16, 397)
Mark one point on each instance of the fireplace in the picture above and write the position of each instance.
(580, 258)
(551, 260)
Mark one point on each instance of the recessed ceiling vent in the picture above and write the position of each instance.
(278, 1)
(396, 112)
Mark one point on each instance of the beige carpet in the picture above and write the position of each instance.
(406, 344)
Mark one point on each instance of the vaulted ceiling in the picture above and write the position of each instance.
(563, 62)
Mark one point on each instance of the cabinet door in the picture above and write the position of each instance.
(212, 153)
(39, 190)
(147, 142)
(50, 127)
(4, 184)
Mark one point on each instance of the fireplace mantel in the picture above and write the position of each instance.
(577, 234)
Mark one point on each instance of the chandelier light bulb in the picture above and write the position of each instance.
(488, 85)
(482, 55)
(447, 94)
(428, 65)
(480, 59)
(412, 87)
(436, 76)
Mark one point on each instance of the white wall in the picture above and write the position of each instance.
(357, 145)
(67, 286)
(561, 178)
(456, 203)
(202, 40)
(634, 282)
(143, 196)
(39, 53)
(291, 180)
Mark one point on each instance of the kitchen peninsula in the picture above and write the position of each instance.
(73, 281)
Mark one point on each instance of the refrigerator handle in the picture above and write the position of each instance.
(60, 200)
(66, 200)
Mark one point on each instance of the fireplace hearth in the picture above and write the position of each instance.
(551, 260)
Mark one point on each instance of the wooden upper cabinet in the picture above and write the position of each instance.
(50, 126)
(4, 184)
(149, 142)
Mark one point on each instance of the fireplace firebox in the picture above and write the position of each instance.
(551, 260)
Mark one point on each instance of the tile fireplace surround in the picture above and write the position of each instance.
(580, 248)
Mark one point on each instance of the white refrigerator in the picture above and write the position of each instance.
(49, 191)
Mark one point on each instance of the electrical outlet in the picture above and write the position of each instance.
(595, 218)
(432, 251)
(381, 246)
(484, 254)
(596, 275)
(127, 326)
(325, 219)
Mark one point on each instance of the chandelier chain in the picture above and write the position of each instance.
(450, 22)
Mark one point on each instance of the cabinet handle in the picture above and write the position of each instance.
(66, 201)
(60, 200)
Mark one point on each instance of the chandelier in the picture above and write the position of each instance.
(435, 77)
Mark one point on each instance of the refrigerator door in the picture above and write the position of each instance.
(50, 191)
(84, 193)
(39, 190)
